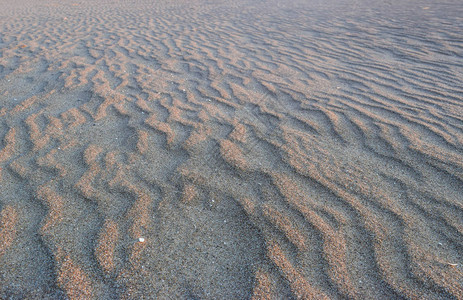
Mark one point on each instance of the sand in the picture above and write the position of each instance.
(213, 149)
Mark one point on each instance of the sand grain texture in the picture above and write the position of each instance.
(261, 149)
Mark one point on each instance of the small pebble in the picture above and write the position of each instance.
(141, 240)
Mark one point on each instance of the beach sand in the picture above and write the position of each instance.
(213, 149)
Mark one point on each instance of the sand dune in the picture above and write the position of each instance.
(259, 149)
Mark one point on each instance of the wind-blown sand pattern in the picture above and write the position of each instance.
(262, 149)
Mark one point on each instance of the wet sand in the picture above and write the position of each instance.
(231, 149)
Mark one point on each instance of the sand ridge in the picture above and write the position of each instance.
(260, 149)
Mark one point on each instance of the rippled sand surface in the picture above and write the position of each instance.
(213, 149)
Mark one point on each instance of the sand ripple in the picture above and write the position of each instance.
(262, 149)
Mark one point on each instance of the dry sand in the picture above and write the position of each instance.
(261, 149)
